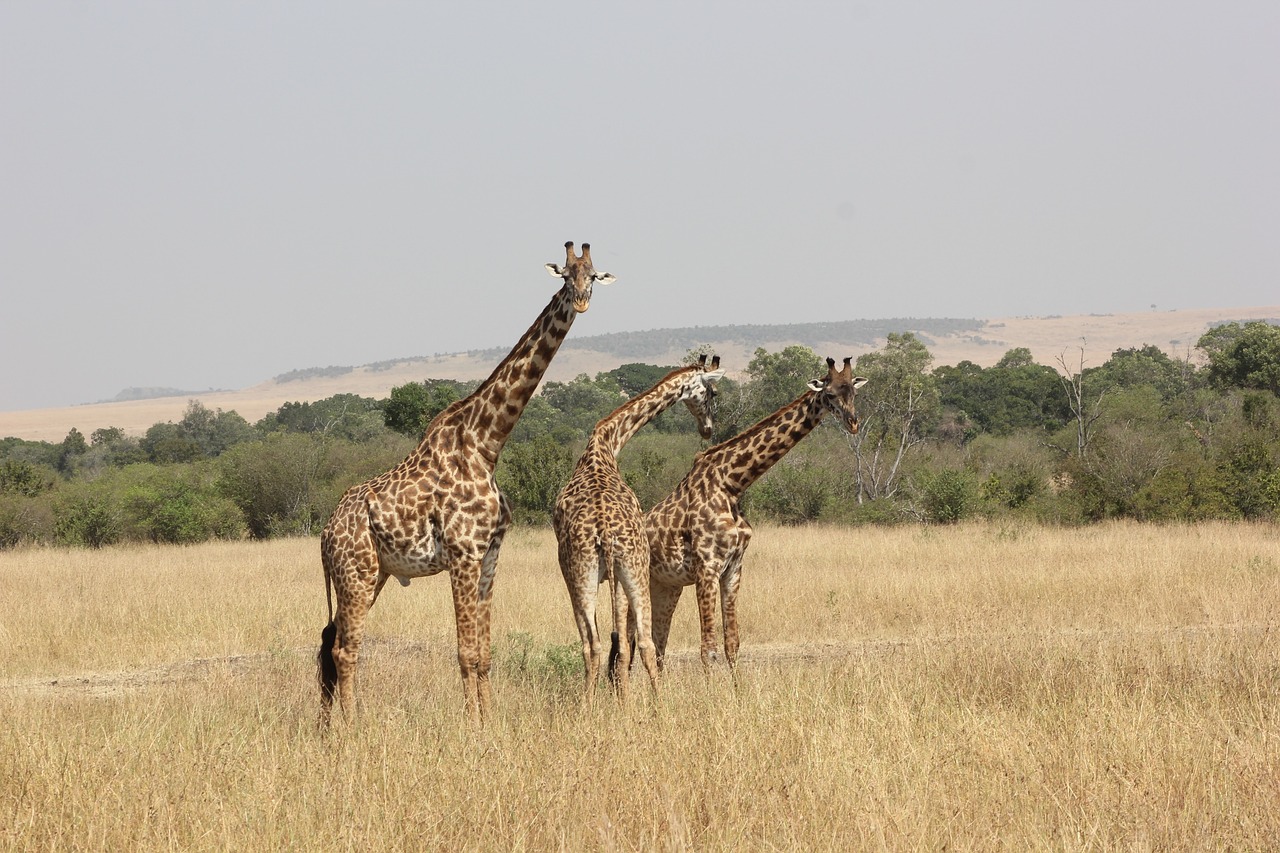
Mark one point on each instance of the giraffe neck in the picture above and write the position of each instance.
(613, 432)
(742, 460)
(491, 411)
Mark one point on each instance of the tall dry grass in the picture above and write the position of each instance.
(979, 687)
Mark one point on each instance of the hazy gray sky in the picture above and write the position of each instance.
(204, 195)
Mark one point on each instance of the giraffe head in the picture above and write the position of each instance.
(579, 274)
(700, 390)
(836, 394)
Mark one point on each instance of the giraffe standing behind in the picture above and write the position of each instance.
(698, 535)
(600, 527)
(440, 509)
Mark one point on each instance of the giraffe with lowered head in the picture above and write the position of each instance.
(599, 524)
(440, 509)
(698, 535)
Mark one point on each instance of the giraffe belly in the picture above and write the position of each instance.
(414, 562)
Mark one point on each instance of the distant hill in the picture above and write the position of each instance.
(950, 340)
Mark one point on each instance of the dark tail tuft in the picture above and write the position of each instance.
(326, 669)
(613, 657)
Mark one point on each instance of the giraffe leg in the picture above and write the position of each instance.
(464, 580)
(729, 609)
(484, 643)
(582, 595)
(340, 644)
(642, 619)
(706, 590)
(664, 600)
(639, 627)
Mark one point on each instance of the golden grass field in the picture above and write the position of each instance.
(980, 687)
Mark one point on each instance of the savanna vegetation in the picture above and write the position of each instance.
(988, 685)
(1139, 436)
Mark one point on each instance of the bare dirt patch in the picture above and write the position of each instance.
(96, 685)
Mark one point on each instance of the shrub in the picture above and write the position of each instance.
(947, 495)
(89, 517)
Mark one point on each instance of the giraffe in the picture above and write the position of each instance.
(698, 535)
(440, 509)
(600, 527)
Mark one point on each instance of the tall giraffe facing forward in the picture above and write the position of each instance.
(698, 535)
(600, 527)
(440, 509)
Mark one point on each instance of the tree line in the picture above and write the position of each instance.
(1142, 436)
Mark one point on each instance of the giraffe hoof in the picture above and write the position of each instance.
(403, 581)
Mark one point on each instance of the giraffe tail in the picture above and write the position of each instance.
(326, 668)
(613, 657)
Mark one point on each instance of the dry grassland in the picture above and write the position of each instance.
(970, 688)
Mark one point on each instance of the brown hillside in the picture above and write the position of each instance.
(1176, 332)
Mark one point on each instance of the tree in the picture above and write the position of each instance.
(582, 402)
(775, 379)
(636, 378)
(73, 447)
(532, 473)
(167, 443)
(1145, 367)
(901, 403)
(1014, 394)
(1085, 408)
(414, 405)
(1245, 356)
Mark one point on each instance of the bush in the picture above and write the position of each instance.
(179, 505)
(25, 520)
(532, 474)
(946, 496)
(789, 494)
(88, 517)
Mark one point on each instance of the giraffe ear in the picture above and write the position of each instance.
(711, 376)
(817, 385)
(555, 270)
(859, 381)
(605, 278)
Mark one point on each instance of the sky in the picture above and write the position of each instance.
(205, 195)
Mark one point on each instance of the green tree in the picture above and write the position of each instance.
(73, 448)
(582, 402)
(897, 408)
(414, 405)
(1245, 356)
(1014, 394)
(636, 378)
(168, 443)
(946, 495)
(531, 475)
(214, 431)
(775, 379)
(1145, 367)
(345, 416)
